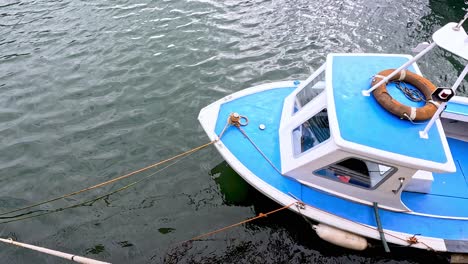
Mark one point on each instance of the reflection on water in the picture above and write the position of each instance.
(234, 189)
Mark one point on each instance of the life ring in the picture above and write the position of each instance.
(403, 111)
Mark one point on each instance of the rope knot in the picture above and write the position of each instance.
(300, 205)
(412, 240)
(262, 215)
(235, 120)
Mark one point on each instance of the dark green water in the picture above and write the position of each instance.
(90, 90)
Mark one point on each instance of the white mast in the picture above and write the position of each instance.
(453, 38)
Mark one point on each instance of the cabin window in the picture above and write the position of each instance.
(311, 133)
(358, 172)
(310, 91)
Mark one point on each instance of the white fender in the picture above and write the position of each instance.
(340, 237)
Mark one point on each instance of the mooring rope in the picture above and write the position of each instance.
(112, 180)
(261, 215)
(184, 154)
(90, 201)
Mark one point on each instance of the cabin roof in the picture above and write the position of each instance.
(358, 123)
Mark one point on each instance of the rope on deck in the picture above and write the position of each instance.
(259, 150)
(236, 120)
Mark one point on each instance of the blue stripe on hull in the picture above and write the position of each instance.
(265, 108)
(402, 222)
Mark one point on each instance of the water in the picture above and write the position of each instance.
(93, 90)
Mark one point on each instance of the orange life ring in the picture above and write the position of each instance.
(403, 111)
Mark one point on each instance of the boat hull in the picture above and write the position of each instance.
(320, 205)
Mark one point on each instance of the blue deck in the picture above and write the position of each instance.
(265, 108)
(352, 74)
(449, 194)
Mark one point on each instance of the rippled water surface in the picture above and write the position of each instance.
(90, 90)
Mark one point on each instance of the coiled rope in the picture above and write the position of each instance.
(411, 93)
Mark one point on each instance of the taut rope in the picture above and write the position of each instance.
(261, 215)
(90, 201)
(128, 174)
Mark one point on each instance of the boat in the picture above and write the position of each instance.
(334, 147)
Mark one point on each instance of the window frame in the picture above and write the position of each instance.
(386, 176)
(297, 155)
(315, 81)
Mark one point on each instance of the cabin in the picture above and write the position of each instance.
(334, 138)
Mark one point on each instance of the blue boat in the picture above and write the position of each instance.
(350, 162)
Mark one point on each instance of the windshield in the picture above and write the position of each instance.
(310, 91)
